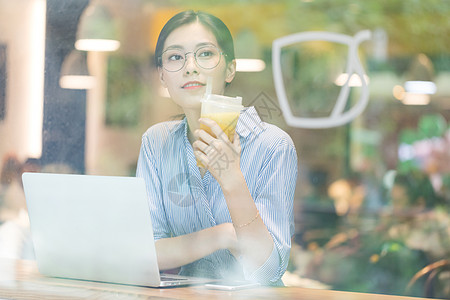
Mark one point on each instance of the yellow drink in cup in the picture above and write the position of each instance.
(224, 111)
(226, 121)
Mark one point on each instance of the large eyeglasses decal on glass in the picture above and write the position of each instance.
(339, 115)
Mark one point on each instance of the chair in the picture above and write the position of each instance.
(432, 270)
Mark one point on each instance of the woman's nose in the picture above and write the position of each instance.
(191, 64)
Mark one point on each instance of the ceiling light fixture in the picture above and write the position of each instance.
(74, 72)
(96, 30)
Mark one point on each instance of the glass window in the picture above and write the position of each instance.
(373, 193)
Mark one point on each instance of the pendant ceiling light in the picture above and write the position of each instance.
(74, 72)
(419, 85)
(96, 30)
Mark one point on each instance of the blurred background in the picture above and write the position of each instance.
(78, 89)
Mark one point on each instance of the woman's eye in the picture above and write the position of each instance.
(206, 54)
(175, 57)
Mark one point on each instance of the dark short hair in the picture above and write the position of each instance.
(214, 24)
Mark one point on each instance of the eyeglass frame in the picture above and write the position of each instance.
(195, 58)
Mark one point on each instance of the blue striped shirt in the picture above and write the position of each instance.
(182, 202)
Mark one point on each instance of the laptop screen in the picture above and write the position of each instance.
(92, 227)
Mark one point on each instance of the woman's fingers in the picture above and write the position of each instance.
(215, 128)
(204, 136)
(200, 146)
(207, 149)
(218, 155)
(201, 157)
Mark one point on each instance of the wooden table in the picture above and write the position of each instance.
(20, 279)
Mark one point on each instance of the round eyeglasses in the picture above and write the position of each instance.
(206, 57)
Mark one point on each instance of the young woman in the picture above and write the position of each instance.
(233, 218)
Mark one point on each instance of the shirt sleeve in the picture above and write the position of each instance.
(146, 169)
(274, 200)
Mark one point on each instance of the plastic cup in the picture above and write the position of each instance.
(224, 111)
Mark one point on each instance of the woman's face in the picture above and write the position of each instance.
(188, 85)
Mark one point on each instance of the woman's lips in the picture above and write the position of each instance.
(192, 85)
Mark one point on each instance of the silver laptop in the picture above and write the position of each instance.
(94, 228)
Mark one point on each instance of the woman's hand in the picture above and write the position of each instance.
(181, 250)
(218, 155)
(227, 238)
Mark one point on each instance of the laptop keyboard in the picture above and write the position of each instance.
(171, 278)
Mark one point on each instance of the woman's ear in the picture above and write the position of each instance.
(161, 77)
(231, 71)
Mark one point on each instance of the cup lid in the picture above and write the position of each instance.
(224, 100)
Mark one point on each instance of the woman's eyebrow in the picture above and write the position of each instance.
(174, 47)
(205, 44)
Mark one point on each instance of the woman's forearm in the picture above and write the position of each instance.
(254, 240)
(181, 250)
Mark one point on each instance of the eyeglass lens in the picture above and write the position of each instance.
(207, 57)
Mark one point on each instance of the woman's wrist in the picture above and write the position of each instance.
(231, 183)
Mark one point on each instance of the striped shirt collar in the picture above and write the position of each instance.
(249, 122)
